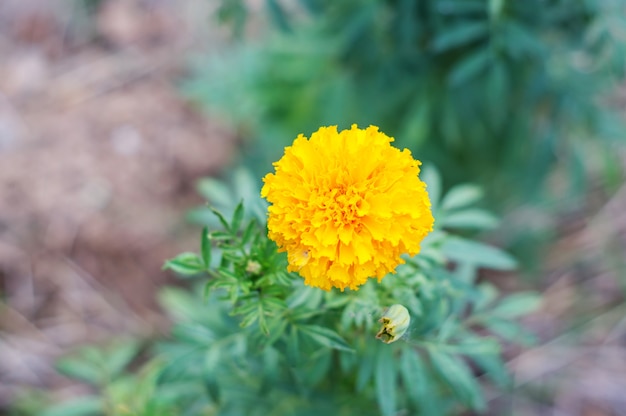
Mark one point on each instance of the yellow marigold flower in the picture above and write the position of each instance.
(345, 206)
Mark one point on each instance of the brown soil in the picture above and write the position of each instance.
(98, 157)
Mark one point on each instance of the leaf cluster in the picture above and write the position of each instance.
(493, 91)
(250, 338)
(316, 350)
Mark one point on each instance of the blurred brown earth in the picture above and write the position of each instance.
(98, 157)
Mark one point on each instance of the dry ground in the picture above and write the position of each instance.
(98, 158)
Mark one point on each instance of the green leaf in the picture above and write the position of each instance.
(521, 42)
(220, 217)
(81, 369)
(262, 322)
(205, 245)
(235, 223)
(467, 251)
(487, 294)
(417, 381)
(120, 355)
(456, 7)
(248, 232)
(417, 124)
(293, 346)
(317, 367)
(192, 333)
(462, 34)
(498, 89)
(432, 178)
(469, 67)
(185, 264)
(510, 331)
(366, 368)
(456, 374)
(83, 406)
(485, 345)
(517, 305)
(227, 274)
(494, 368)
(461, 196)
(180, 304)
(472, 219)
(385, 381)
(495, 8)
(216, 192)
(219, 236)
(278, 15)
(277, 329)
(325, 337)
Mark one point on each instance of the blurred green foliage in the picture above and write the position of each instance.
(493, 91)
(252, 339)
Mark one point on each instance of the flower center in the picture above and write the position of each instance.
(343, 205)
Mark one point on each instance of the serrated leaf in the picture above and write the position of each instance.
(276, 330)
(385, 381)
(471, 219)
(249, 319)
(517, 305)
(262, 322)
(467, 251)
(274, 304)
(456, 374)
(326, 337)
(82, 406)
(227, 274)
(185, 264)
(462, 34)
(461, 196)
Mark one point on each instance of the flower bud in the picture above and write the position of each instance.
(395, 320)
(253, 267)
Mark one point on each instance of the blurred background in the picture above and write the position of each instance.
(113, 111)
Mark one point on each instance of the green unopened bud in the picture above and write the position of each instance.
(395, 320)
(253, 267)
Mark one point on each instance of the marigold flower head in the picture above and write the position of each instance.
(345, 206)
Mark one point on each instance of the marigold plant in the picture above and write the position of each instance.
(346, 205)
(250, 338)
